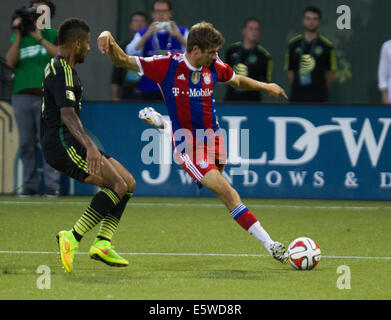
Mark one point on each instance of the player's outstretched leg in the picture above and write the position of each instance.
(214, 181)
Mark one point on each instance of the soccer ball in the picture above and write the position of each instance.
(303, 253)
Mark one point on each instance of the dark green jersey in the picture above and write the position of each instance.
(310, 62)
(61, 88)
(255, 63)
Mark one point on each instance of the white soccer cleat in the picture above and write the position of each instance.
(152, 117)
(278, 252)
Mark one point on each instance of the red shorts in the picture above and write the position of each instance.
(203, 157)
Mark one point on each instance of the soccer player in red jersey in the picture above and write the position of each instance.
(187, 83)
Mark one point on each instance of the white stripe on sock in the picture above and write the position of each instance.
(239, 208)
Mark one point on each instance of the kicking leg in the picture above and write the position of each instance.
(214, 181)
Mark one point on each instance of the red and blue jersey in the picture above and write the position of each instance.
(187, 91)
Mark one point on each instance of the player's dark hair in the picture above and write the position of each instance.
(49, 3)
(161, 1)
(314, 10)
(205, 36)
(72, 29)
(138, 13)
(251, 19)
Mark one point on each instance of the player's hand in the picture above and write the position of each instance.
(275, 90)
(94, 160)
(152, 117)
(105, 41)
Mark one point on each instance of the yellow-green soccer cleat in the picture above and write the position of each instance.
(102, 250)
(67, 245)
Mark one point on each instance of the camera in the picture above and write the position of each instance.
(29, 17)
(164, 25)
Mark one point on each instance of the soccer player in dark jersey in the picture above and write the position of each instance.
(248, 58)
(310, 61)
(187, 82)
(68, 149)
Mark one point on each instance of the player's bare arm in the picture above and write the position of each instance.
(245, 83)
(108, 45)
(73, 123)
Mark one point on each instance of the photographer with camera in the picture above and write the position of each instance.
(30, 51)
(162, 36)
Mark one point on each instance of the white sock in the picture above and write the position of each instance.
(261, 235)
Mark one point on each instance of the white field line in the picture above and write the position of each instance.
(205, 205)
(196, 254)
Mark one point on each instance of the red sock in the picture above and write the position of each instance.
(250, 223)
(247, 219)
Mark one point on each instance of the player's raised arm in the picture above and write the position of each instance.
(108, 45)
(245, 83)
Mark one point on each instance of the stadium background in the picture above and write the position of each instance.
(358, 49)
(357, 56)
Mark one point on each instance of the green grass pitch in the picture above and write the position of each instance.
(191, 249)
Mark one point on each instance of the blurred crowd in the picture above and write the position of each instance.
(310, 63)
(310, 57)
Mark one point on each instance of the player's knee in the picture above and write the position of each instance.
(131, 183)
(120, 187)
(222, 190)
(232, 194)
(228, 194)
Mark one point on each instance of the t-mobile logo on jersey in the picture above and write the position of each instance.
(200, 92)
(193, 93)
(175, 91)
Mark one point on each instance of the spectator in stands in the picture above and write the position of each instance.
(124, 83)
(29, 53)
(384, 72)
(162, 36)
(311, 61)
(248, 58)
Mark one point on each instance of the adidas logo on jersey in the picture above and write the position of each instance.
(181, 77)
